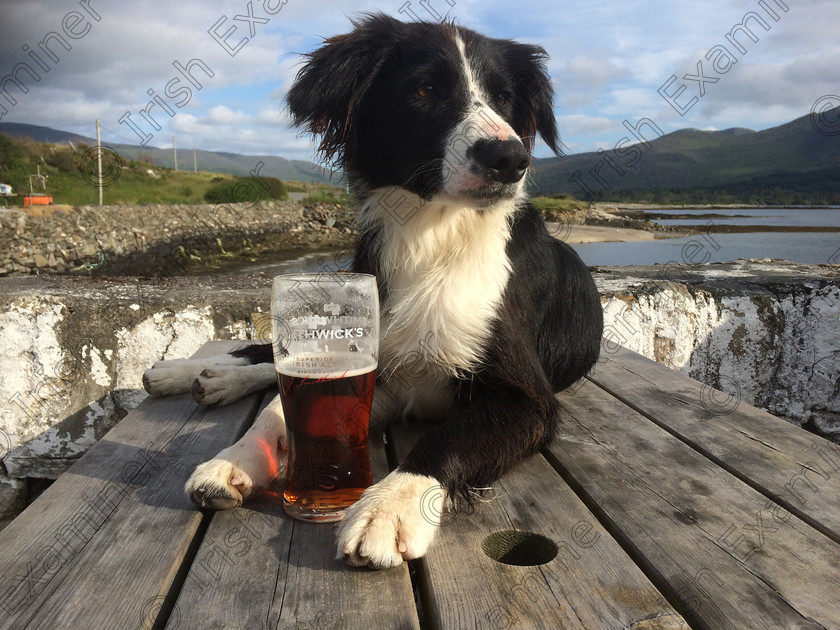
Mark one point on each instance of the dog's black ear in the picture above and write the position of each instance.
(325, 96)
(534, 109)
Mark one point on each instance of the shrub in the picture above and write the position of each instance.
(561, 209)
(246, 191)
(63, 160)
(11, 152)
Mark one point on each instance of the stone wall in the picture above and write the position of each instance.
(158, 240)
(766, 333)
(74, 349)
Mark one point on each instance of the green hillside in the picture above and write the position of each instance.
(230, 163)
(792, 163)
(789, 164)
(129, 182)
(212, 161)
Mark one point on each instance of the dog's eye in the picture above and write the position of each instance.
(425, 90)
(501, 100)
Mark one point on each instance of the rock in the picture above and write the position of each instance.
(125, 240)
(767, 330)
(12, 498)
(89, 249)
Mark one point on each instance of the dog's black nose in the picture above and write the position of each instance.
(505, 161)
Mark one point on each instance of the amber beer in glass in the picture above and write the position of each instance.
(325, 335)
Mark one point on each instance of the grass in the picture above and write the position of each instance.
(560, 208)
(135, 186)
(327, 195)
(138, 183)
(131, 183)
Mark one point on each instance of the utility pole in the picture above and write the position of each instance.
(195, 163)
(99, 161)
(175, 152)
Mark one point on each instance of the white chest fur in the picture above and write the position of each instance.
(446, 270)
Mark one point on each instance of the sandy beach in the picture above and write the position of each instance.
(600, 234)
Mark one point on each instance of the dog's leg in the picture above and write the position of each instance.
(391, 522)
(503, 414)
(220, 385)
(176, 376)
(254, 462)
(215, 380)
(397, 518)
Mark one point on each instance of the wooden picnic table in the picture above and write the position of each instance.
(665, 504)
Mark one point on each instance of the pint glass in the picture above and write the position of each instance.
(325, 336)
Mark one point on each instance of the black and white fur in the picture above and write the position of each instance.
(484, 315)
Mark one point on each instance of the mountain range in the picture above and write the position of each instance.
(212, 161)
(732, 159)
(795, 156)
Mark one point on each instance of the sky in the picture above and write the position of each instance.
(611, 63)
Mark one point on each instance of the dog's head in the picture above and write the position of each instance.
(430, 107)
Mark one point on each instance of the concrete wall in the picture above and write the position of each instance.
(766, 333)
(74, 349)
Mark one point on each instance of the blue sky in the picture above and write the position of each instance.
(610, 62)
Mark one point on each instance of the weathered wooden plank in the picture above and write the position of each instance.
(101, 546)
(259, 568)
(798, 469)
(591, 583)
(225, 583)
(726, 554)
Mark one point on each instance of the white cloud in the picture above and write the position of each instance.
(580, 80)
(585, 125)
(607, 61)
(226, 116)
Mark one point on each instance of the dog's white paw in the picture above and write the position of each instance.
(256, 461)
(216, 386)
(168, 381)
(389, 523)
(235, 474)
(171, 363)
(219, 485)
(221, 385)
(176, 376)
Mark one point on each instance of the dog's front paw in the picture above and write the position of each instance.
(256, 461)
(217, 386)
(221, 385)
(176, 376)
(168, 380)
(219, 485)
(389, 524)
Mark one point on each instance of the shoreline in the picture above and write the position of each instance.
(173, 240)
(636, 220)
(618, 206)
(574, 234)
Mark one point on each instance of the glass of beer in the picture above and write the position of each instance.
(325, 336)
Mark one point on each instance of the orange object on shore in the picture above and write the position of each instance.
(37, 200)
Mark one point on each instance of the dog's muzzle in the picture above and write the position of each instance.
(502, 161)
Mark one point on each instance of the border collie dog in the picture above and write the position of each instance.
(484, 314)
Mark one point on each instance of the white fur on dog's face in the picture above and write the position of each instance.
(479, 122)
